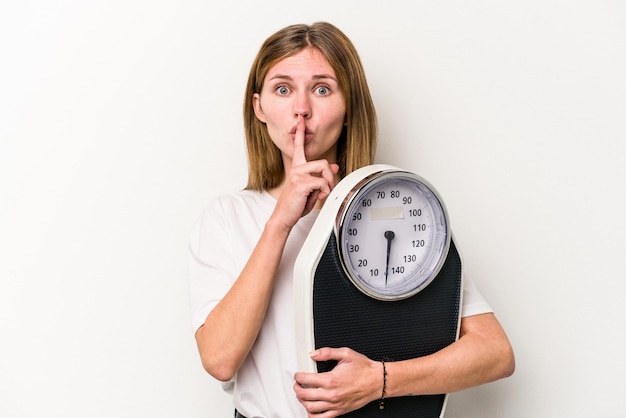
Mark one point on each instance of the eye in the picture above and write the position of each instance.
(282, 90)
(323, 90)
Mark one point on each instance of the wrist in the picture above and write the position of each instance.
(383, 392)
(277, 228)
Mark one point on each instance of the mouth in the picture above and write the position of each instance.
(307, 134)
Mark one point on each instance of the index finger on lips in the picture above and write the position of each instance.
(299, 157)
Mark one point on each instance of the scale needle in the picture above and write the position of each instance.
(390, 236)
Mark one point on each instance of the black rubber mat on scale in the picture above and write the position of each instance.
(390, 331)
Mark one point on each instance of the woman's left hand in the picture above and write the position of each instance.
(353, 383)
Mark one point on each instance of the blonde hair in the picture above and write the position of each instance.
(356, 146)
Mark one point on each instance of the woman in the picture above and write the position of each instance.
(309, 121)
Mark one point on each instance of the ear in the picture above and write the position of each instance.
(258, 110)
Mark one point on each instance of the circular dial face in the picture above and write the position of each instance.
(393, 235)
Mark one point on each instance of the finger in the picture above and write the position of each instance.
(309, 386)
(324, 176)
(299, 157)
(319, 189)
(328, 353)
(311, 201)
(329, 176)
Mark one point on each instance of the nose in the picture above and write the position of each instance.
(302, 106)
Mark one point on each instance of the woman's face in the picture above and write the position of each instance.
(303, 84)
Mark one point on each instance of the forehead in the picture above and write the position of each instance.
(309, 62)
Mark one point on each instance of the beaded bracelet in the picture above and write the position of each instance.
(381, 403)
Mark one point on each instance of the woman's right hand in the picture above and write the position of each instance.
(306, 183)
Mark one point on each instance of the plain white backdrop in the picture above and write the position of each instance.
(119, 120)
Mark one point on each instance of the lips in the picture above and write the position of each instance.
(306, 131)
(307, 134)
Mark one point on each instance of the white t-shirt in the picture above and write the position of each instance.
(219, 247)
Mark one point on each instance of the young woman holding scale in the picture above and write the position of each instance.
(306, 110)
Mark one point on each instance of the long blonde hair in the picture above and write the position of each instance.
(356, 146)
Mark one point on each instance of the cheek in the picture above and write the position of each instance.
(337, 120)
(276, 115)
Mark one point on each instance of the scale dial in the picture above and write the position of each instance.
(393, 235)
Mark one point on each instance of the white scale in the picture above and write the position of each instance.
(379, 272)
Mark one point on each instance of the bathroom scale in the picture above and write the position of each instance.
(380, 273)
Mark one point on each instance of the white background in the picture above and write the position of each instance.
(120, 119)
